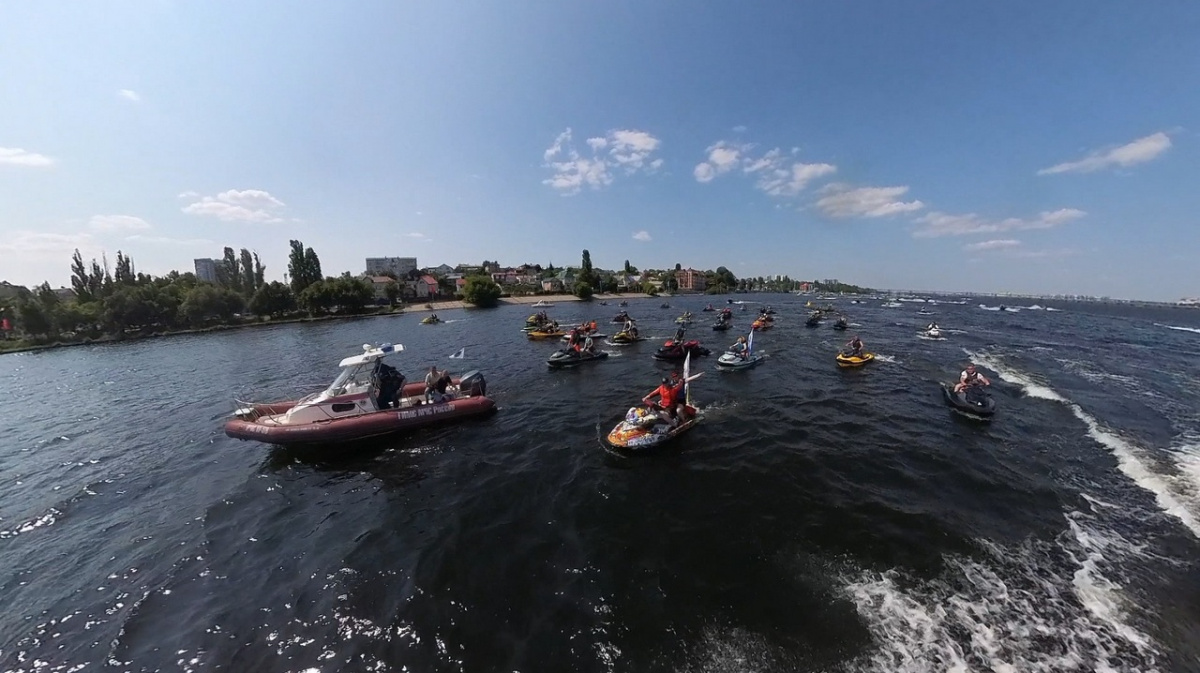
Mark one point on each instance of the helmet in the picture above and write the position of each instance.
(666, 379)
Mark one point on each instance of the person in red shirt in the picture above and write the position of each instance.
(670, 398)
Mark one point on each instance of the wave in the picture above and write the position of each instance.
(982, 612)
(1012, 309)
(1181, 329)
(1166, 488)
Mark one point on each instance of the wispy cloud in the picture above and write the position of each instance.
(621, 150)
(997, 244)
(1137, 152)
(130, 95)
(642, 235)
(117, 223)
(842, 200)
(249, 205)
(777, 174)
(944, 224)
(739, 129)
(42, 243)
(15, 156)
(168, 240)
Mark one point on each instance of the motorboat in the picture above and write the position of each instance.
(361, 403)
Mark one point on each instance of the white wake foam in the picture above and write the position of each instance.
(1130, 458)
(1009, 611)
(1181, 329)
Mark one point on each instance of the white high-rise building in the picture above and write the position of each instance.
(206, 270)
(398, 266)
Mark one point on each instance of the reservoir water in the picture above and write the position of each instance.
(817, 519)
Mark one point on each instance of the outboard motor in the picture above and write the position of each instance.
(473, 383)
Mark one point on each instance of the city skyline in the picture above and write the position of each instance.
(1032, 149)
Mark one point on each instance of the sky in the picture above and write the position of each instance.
(994, 147)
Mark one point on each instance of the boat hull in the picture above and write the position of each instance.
(853, 361)
(731, 361)
(637, 437)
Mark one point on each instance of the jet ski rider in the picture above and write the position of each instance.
(856, 347)
(630, 328)
(739, 347)
(669, 398)
(969, 378)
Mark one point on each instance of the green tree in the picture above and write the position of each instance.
(80, 281)
(392, 291)
(586, 274)
(649, 288)
(246, 266)
(481, 291)
(205, 303)
(583, 290)
(273, 299)
(259, 270)
(124, 273)
(32, 318)
(304, 267)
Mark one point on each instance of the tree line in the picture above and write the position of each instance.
(116, 301)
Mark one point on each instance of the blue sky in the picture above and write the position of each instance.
(1024, 146)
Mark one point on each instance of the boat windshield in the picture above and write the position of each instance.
(354, 379)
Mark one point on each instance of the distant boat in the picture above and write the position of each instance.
(462, 352)
(543, 304)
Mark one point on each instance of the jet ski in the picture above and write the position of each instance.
(584, 335)
(685, 319)
(934, 334)
(841, 324)
(644, 427)
(569, 357)
(846, 360)
(620, 317)
(814, 319)
(974, 402)
(731, 360)
(675, 350)
(539, 334)
(431, 320)
(721, 326)
(708, 309)
(623, 303)
(665, 306)
(624, 338)
(761, 324)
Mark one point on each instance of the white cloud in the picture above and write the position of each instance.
(842, 200)
(626, 149)
(117, 223)
(41, 243)
(15, 156)
(739, 129)
(1137, 152)
(944, 224)
(997, 244)
(642, 235)
(776, 174)
(189, 194)
(249, 205)
(130, 95)
(167, 240)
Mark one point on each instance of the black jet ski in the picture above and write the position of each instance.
(841, 324)
(974, 401)
(814, 319)
(569, 357)
(721, 326)
(620, 317)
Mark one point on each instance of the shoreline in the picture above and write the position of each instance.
(394, 312)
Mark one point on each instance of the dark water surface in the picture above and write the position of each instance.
(816, 520)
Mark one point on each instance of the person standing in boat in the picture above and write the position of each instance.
(389, 383)
(431, 380)
(441, 388)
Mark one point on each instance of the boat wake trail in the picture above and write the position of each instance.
(1041, 606)
(1167, 490)
(1181, 329)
